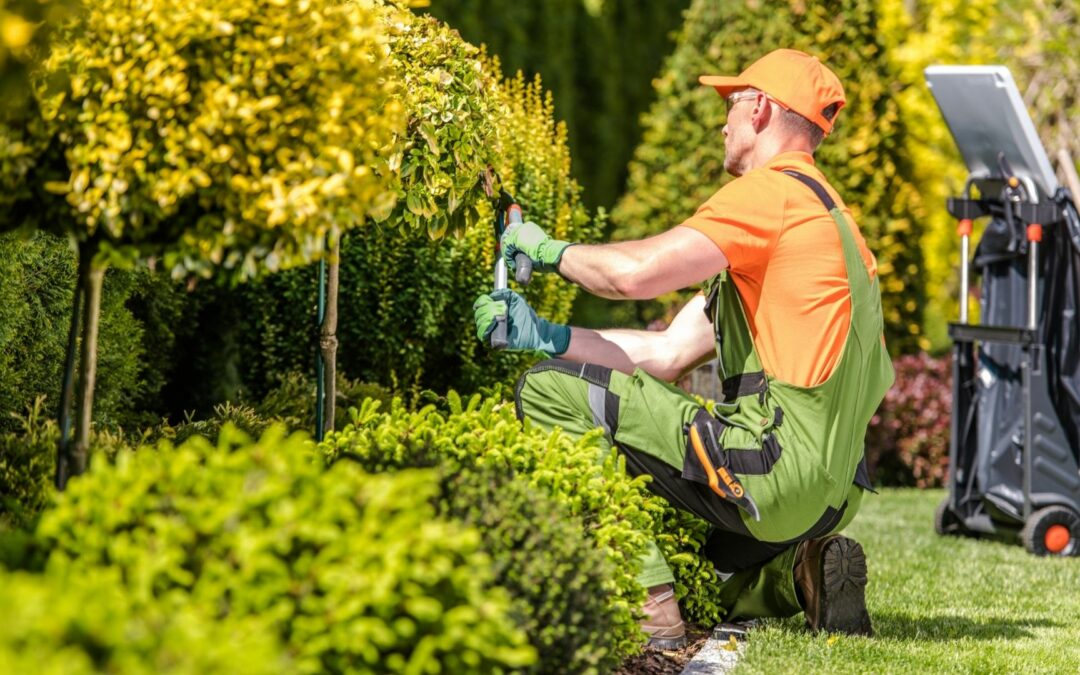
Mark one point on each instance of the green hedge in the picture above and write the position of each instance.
(352, 572)
(680, 161)
(485, 433)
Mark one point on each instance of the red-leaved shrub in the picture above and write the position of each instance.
(907, 443)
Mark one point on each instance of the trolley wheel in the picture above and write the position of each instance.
(945, 521)
(1054, 531)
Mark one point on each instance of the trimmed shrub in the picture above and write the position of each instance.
(352, 572)
(86, 623)
(485, 433)
(907, 443)
(560, 583)
(680, 161)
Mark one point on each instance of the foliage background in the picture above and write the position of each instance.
(597, 58)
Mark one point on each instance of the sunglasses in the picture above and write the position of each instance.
(739, 96)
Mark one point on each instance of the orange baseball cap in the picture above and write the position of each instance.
(796, 80)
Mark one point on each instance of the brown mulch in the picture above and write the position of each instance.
(667, 663)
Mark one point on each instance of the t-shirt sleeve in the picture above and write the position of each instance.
(744, 220)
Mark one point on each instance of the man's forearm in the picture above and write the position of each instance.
(622, 350)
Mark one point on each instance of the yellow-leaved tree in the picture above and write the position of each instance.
(229, 137)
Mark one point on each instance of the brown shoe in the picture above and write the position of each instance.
(662, 620)
(831, 573)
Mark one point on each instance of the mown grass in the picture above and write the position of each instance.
(939, 605)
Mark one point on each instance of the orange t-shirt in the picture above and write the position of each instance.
(787, 265)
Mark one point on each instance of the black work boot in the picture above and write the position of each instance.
(663, 622)
(830, 572)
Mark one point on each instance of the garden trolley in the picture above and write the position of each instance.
(1014, 447)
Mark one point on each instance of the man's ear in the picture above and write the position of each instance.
(762, 113)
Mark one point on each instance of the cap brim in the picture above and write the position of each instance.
(723, 85)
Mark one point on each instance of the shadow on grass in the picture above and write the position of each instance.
(942, 628)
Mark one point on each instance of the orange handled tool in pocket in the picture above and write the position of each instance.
(721, 480)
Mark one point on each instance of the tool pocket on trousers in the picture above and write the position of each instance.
(707, 462)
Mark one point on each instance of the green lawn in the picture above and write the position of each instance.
(939, 604)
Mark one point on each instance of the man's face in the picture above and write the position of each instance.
(739, 133)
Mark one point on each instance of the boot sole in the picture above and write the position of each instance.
(843, 602)
(666, 644)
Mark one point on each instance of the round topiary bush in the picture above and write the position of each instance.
(586, 483)
(351, 572)
(558, 580)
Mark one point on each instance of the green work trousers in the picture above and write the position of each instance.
(645, 418)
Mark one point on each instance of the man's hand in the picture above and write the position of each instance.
(529, 239)
(525, 331)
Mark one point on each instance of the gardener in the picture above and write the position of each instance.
(792, 309)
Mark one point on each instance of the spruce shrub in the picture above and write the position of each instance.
(138, 319)
(27, 464)
(560, 583)
(483, 432)
(597, 58)
(351, 572)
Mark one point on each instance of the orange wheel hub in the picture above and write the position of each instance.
(1056, 538)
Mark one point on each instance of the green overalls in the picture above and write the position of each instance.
(789, 459)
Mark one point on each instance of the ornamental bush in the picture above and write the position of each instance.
(483, 432)
(85, 623)
(351, 572)
(559, 581)
(907, 443)
(680, 161)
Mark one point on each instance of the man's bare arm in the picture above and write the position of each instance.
(686, 343)
(646, 268)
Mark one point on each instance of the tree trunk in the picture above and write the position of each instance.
(328, 342)
(67, 389)
(92, 282)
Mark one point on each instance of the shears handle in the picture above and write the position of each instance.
(522, 262)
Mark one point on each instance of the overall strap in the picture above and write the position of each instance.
(815, 186)
(856, 270)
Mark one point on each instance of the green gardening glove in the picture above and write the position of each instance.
(529, 239)
(525, 331)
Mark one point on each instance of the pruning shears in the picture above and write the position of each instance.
(507, 211)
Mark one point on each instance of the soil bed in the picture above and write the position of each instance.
(667, 662)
